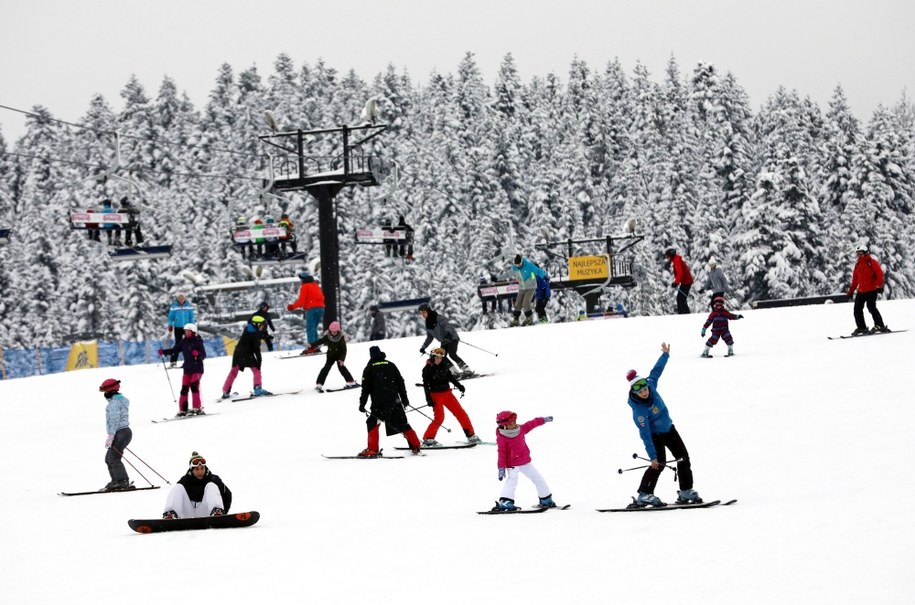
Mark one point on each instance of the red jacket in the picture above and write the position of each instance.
(310, 296)
(867, 276)
(682, 276)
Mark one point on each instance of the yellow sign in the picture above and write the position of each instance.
(229, 344)
(83, 355)
(588, 267)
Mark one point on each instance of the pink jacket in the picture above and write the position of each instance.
(513, 451)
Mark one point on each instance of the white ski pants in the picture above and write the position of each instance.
(528, 470)
(179, 502)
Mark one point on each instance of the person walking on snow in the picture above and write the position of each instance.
(439, 328)
(683, 279)
(335, 340)
(381, 380)
(117, 423)
(199, 493)
(377, 331)
(514, 458)
(718, 320)
(311, 301)
(526, 272)
(659, 434)
(867, 279)
(180, 313)
(247, 354)
(437, 381)
(193, 352)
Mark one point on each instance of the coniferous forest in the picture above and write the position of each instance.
(779, 195)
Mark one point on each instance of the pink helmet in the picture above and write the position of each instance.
(334, 326)
(503, 418)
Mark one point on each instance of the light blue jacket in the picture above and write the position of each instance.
(180, 314)
(651, 415)
(117, 414)
(527, 274)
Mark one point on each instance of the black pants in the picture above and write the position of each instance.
(179, 336)
(451, 349)
(114, 454)
(331, 362)
(682, 293)
(869, 299)
(662, 442)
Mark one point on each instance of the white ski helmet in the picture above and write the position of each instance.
(190, 328)
(861, 247)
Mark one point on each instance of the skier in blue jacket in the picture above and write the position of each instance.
(526, 272)
(658, 433)
(117, 422)
(180, 313)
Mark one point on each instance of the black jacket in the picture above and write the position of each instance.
(194, 487)
(248, 350)
(437, 377)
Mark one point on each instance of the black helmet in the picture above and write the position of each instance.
(670, 252)
(263, 304)
(423, 307)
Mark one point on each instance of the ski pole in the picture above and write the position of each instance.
(480, 348)
(169, 378)
(127, 449)
(667, 464)
(447, 430)
(132, 466)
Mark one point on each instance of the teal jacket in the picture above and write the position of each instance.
(651, 415)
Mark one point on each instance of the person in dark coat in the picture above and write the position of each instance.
(335, 340)
(381, 380)
(437, 381)
(438, 327)
(192, 350)
(247, 354)
(377, 331)
(199, 493)
(263, 310)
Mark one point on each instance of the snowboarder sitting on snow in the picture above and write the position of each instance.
(718, 320)
(515, 458)
(199, 493)
(117, 421)
(437, 381)
(335, 340)
(659, 434)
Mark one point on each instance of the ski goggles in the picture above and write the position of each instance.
(638, 385)
(198, 462)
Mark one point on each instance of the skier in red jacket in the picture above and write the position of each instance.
(867, 279)
(683, 279)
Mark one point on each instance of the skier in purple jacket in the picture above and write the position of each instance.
(192, 349)
(515, 459)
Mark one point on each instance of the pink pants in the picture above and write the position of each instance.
(227, 386)
(190, 382)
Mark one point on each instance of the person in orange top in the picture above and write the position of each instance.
(311, 301)
(683, 279)
(867, 279)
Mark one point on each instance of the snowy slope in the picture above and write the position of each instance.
(809, 434)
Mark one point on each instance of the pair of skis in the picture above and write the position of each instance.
(866, 334)
(108, 491)
(629, 509)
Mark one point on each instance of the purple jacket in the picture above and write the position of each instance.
(192, 364)
(513, 450)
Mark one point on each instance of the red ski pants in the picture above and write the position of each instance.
(441, 401)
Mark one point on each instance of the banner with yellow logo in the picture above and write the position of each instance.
(83, 355)
(229, 344)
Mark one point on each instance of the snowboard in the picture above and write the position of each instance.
(459, 446)
(863, 335)
(519, 511)
(355, 386)
(188, 417)
(151, 526)
(635, 509)
(107, 491)
(253, 396)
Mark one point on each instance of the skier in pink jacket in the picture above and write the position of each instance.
(515, 459)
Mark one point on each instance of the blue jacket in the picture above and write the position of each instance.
(543, 287)
(527, 274)
(117, 414)
(180, 314)
(651, 415)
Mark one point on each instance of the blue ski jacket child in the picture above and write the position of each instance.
(651, 415)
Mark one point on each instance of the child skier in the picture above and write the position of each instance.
(193, 351)
(718, 320)
(335, 340)
(247, 354)
(117, 414)
(515, 458)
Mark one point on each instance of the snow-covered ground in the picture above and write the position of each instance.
(811, 435)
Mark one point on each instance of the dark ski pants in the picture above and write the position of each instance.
(869, 299)
(682, 294)
(114, 454)
(179, 336)
(668, 441)
(322, 375)
(451, 349)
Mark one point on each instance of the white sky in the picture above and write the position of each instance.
(58, 53)
(811, 435)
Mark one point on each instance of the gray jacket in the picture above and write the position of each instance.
(716, 281)
(117, 414)
(443, 331)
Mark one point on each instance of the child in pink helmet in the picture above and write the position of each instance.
(335, 340)
(515, 458)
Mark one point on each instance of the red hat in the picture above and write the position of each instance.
(503, 418)
(111, 385)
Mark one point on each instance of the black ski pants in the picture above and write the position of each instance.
(662, 442)
(869, 299)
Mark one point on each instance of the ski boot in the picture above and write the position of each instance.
(879, 329)
(217, 512)
(367, 453)
(646, 499)
(474, 439)
(860, 332)
(431, 443)
(196, 412)
(181, 414)
(259, 391)
(515, 322)
(319, 388)
(505, 504)
(227, 395)
(547, 502)
(117, 485)
(688, 496)
(706, 352)
(351, 385)
(730, 351)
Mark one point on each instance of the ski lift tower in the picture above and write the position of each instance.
(324, 176)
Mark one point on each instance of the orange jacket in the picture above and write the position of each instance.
(867, 276)
(310, 296)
